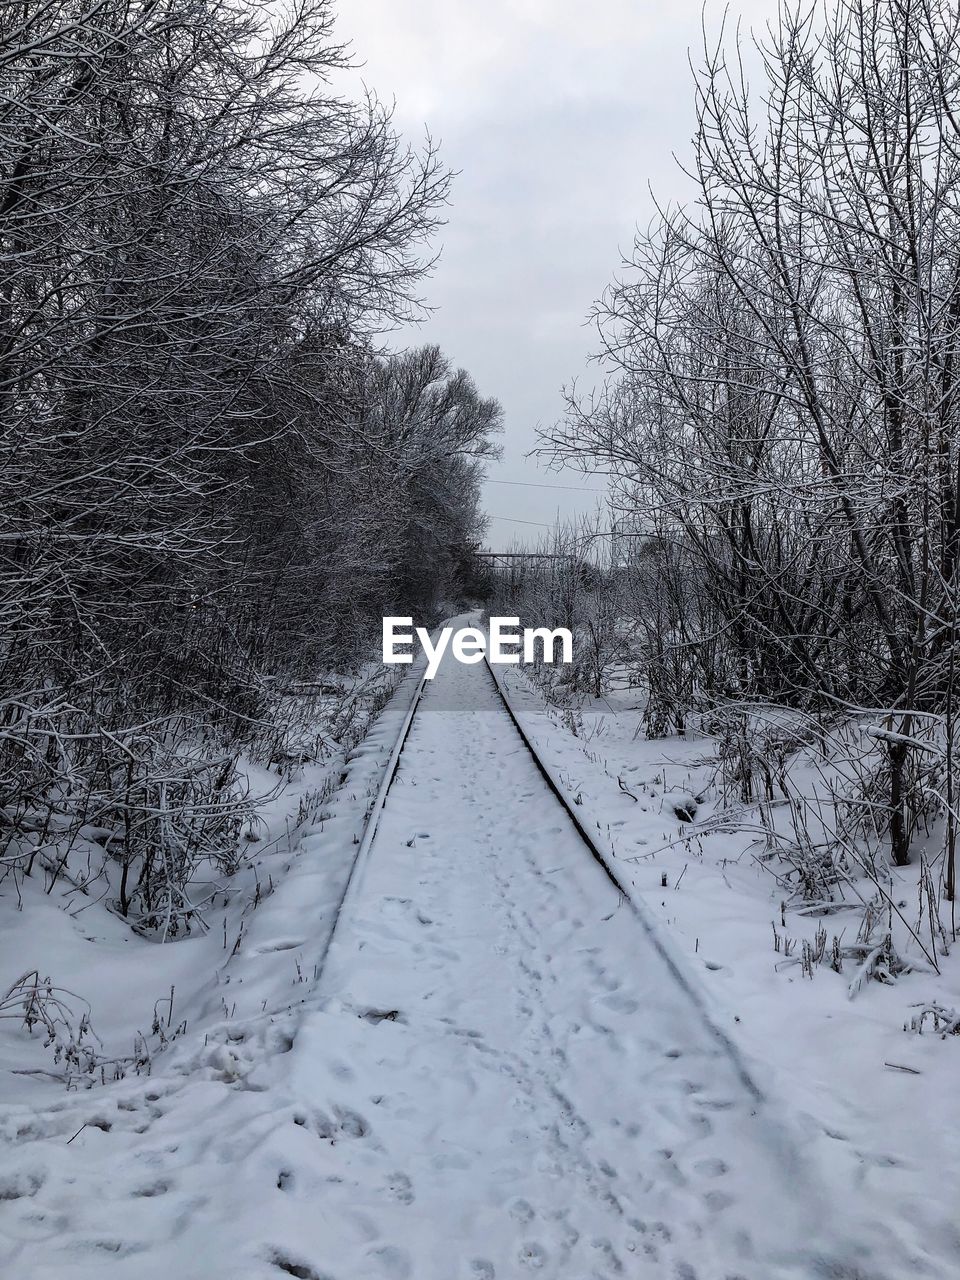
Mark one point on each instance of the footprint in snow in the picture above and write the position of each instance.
(351, 1123)
(718, 1200)
(401, 1188)
(393, 1262)
(532, 1255)
(24, 1184)
(603, 1245)
(620, 1003)
(151, 1189)
(291, 1266)
(522, 1210)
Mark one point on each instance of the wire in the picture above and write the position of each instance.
(513, 520)
(533, 484)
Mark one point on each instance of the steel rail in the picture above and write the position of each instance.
(649, 924)
(600, 856)
(372, 822)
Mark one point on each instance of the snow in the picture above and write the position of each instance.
(494, 1072)
(73, 1165)
(878, 1135)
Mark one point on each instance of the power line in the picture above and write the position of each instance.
(513, 520)
(533, 484)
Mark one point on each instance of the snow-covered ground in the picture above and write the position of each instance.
(878, 1103)
(91, 1177)
(494, 1073)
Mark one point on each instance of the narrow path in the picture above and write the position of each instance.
(529, 1089)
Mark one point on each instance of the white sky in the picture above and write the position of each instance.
(558, 114)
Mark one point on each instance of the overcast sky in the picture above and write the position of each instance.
(558, 115)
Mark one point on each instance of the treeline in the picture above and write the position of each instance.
(782, 412)
(212, 479)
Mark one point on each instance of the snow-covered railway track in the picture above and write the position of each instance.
(592, 847)
(538, 1084)
(372, 819)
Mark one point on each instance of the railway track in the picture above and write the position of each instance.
(592, 847)
(372, 822)
(555, 1081)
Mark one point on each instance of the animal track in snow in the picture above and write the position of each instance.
(351, 1123)
(532, 1255)
(150, 1190)
(522, 1210)
(603, 1245)
(620, 1003)
(718, 1200)
(401, 1188)
(21, 1185)
(392, 1261)
(291, 1266)
(376, 1016)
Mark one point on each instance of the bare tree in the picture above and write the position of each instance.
(782, 406)
(201, 240)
